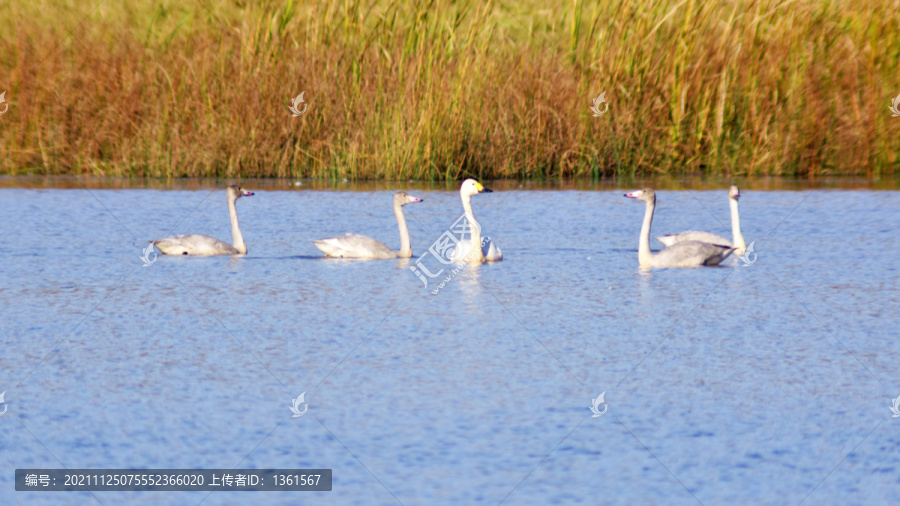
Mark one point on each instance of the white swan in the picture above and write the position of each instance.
(360, 246)
(682, 254)
(463, 252)
(204, 245)
(733, 195)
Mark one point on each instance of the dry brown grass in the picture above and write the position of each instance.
(438, 90)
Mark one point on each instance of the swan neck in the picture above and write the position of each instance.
(736, 237)
(645, 257)
(405, 249)
(236, 236)
(476, 254)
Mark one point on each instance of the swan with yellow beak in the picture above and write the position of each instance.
(464, 252)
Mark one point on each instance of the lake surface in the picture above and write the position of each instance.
(768, 383)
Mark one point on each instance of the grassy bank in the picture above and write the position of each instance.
(438, 90)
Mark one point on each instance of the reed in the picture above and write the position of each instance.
(434, 90)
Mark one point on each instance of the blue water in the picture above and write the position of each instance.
(762, 384)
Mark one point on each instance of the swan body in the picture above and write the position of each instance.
(360, 246)
(489, 251)
(463, 251)
(680, 254)
(693, 235)
(740, 246)
(354, 246)
(204, 245)
(195, 244)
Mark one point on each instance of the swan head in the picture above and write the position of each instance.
(235, 192)
(404, 198)
(471, 187)
(645, 194)
(734, 193)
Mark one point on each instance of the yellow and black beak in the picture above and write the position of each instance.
(482, 189)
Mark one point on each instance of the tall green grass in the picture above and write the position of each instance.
(443, 89)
